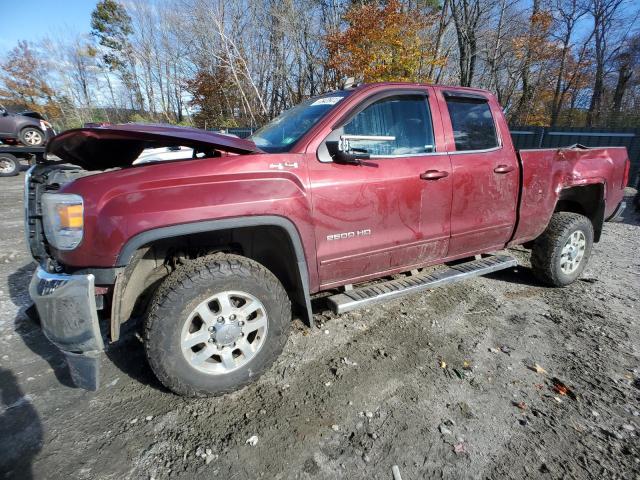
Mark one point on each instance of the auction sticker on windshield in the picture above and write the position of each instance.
(327, 101)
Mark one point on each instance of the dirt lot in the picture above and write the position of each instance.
(442, 384)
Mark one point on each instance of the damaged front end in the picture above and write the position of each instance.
(66, 303)
(73, 303)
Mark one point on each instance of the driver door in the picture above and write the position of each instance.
(392, 212)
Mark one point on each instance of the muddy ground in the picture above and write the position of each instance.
(361, 393)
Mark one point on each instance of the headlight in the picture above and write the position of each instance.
(63, 218)
(44, 124)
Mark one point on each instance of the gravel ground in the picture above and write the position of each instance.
(498, 377)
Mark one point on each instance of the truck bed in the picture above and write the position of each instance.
(545, 173)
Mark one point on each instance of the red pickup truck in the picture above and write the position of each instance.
(339, 194)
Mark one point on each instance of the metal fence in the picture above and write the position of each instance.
(238, 132)
(547, 137)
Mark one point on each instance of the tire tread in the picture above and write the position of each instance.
(209, 267)
(546, 247)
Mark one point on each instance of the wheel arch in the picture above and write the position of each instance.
(587, 200)
(29, 125)
(271, 240)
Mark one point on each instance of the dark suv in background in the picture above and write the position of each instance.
(29, 128)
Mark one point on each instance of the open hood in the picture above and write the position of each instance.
(108, 146)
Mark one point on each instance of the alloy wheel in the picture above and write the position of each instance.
(224, 332)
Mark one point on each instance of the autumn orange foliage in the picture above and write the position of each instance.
(383, 43)
(23, 76)
(538, 44)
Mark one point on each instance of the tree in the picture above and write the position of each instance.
(24, 81)
(627, 63)
(532, 48)
(111, 26)
(569, 12)
(604, 15)
(467, 15)
(212, 95)
(383, 43)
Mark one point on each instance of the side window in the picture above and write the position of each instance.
(472, 122)
(406, 118)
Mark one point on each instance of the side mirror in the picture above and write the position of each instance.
(342, 152)
(3, 112)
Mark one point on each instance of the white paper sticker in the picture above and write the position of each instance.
(327, 101)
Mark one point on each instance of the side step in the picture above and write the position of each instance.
(381, 292)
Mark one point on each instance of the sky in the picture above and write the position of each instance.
(35, 19)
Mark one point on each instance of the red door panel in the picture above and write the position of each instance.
(485, 180)
(383, 216)
(379, 217)
(483, 210)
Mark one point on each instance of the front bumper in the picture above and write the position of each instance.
(66, 306)
(49, 133)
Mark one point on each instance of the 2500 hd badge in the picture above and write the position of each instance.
(342, 236)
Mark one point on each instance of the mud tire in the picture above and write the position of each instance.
(547, 249)
(191, 284)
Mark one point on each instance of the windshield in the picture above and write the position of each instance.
(282, 132)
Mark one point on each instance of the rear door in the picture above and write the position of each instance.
(383, 215)
(485, 173)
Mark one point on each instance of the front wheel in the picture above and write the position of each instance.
(215, 325)
(560, 254)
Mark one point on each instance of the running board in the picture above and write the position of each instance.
(381, 292)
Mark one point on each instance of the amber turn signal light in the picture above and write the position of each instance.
(70, 216)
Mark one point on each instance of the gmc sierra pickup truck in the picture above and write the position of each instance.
(355, 192)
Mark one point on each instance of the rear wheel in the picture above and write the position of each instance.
(560, 254)
(31, 137)
(9, 165)
(216, 325)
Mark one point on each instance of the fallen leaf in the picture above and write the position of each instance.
(537, 368)
(560, 388)
(459, 448)
(443, 364)
(520, 405)
(466, 365)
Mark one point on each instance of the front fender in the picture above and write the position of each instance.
(150, 236)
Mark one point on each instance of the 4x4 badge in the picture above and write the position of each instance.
(282, 166)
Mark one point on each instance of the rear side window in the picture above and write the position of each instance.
(472, 122)
(405, 118)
